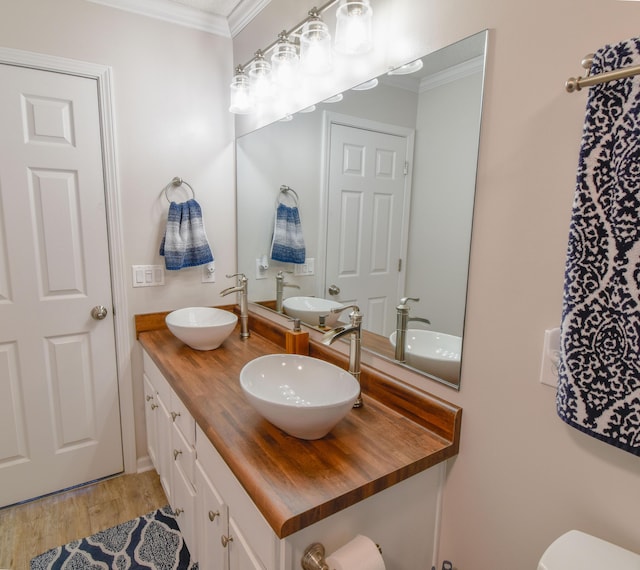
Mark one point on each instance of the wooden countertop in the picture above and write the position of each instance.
(400, 431)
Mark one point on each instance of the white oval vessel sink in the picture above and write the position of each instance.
(303, 396)
(201, 328)
(433, 352)
(309, 310)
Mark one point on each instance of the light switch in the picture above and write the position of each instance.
(147, 275)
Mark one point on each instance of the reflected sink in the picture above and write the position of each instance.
(309, 309)
(433, 352)
(201, 328)
(303, 396)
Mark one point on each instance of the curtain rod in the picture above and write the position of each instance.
(577, 83)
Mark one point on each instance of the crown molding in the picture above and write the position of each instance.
(175, 13)
(452, 74)
(243, 13)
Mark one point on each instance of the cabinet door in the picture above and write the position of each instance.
(184, 509)
(211, 523)
(163, 449)
(150, 415)
(240, 555)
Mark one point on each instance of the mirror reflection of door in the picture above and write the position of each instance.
(368, 195)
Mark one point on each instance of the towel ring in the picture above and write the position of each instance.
(285, 190)
(176, 183)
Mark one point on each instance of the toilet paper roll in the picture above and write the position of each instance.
(361, 553)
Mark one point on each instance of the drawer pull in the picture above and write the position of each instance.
(174, 415)
(177, 512)
(212, 515)
(176, 452)
(226, 540)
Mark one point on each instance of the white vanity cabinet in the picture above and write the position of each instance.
(225, 530)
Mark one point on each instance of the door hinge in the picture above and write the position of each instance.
(399, 264)
(406, 167)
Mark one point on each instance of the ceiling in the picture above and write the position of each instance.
(221, 17)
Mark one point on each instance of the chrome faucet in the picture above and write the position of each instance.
(280, 285)
(241, 287)
(402, 320)
(354, 328)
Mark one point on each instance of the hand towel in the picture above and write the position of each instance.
(185, 242)
(288, 242)
(599, 370)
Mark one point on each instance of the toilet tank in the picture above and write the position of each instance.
(576, 550)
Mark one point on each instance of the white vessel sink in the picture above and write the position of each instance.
(303, 396)
(309, 310)
(433, 352)
(201, 328)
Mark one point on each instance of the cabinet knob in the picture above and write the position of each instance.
(176, 452)
(226, 540)
(149, 397)
(212, 515)
(174, 415)
(154, 406)
(177, 512)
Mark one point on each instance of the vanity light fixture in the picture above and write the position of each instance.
(306, 48)
(260, 77)
(335, 99)
(408, 68)
(285, 61)
(366, 85)
(354, 34)
(241, 102)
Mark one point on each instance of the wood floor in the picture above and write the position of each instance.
(33, 528)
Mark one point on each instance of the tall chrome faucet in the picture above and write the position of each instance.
(402, 320)
(241, 287)
(354, 328)
(280, 285)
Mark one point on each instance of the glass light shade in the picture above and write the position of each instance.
(315, 47)
(284, 64)
(353, 27)
(260, 76)
(241, 99)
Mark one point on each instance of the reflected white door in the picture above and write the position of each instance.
(59, 407)
(366, 204)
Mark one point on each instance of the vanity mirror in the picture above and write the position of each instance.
(383, 177)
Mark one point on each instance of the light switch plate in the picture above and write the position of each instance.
(147, 275)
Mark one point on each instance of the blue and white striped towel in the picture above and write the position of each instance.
(287, 244)
(599, 370)
(185, 242)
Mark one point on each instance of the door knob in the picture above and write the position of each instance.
(99, 312)
(334, 290)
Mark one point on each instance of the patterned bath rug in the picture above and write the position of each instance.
(152, 541)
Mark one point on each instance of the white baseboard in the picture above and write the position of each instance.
(144, 464)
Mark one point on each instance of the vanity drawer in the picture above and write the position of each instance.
(156, 379)
(183, 454)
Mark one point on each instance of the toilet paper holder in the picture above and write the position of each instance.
(313, 557)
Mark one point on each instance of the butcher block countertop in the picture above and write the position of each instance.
(400, 430)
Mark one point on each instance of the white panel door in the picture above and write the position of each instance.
(59, 407)
(365, 216)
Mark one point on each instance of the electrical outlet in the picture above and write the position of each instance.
(209, 273)
(550, 357)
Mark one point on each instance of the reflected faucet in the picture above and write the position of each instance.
(402, 320)
(241, 287)
(280, 285)
(354, 329)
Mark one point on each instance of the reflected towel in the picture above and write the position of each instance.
(288, 242)
(599, 371)
(185, 242)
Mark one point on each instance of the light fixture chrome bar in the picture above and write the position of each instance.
(313, 13)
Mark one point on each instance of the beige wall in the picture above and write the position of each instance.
(522, 477)
(170, 87)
